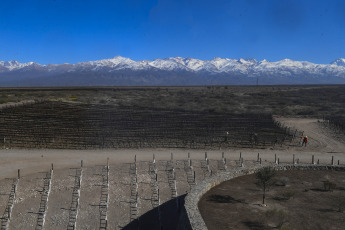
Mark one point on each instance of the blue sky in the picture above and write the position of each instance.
(71, 31)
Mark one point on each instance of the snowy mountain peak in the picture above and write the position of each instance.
(121, 59)
(248, 66)
(170, 64)
(14, 65)
(339, 62)
(286, 60)
(177, 70)
(14, 62)
(252, 60)
(216, 59)
(247, 61)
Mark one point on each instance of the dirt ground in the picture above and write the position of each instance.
(34, 164)
(236, 204)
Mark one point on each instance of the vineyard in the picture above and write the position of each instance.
(67, 125)
(336, 123)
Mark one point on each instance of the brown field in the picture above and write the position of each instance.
(143, 194)
(302, 100)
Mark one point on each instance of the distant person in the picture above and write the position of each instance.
(227, 137)
(305, 141)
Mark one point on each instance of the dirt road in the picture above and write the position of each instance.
(321, 138)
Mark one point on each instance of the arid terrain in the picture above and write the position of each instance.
(149, 192)
(297, 201)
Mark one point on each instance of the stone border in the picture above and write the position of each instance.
(192, 219)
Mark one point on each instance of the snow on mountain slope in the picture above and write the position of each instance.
(15, 65)
(246, 67)
(116, 63)
(177, 63)
(339, 62)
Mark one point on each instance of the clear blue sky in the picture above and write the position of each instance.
(71, 31)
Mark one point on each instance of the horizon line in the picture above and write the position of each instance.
(246, 59)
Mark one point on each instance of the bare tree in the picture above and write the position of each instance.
(265, 179)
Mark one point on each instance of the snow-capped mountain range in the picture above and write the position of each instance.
(171, 71)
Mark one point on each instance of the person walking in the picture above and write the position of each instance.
(305, 141)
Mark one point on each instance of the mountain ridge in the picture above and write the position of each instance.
(172, 71)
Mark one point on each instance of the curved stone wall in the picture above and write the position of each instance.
(192, 219)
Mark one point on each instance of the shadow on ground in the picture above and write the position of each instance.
(224, 199)
(168, 216)
(255, 225)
